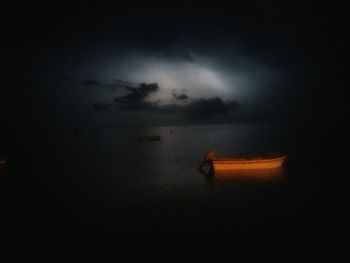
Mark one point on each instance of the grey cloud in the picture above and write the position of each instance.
(120, 81)
(134, 99)
(141, 92)
(89, 82)
(102, 106)
(181, 96)
(117, 83)
(172, 109)
(204, 108)
(199, 109)
(113, 86)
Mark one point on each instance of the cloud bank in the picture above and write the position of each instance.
(136, 99)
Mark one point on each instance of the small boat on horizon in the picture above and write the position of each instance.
(149, 138)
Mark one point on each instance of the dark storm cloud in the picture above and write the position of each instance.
(201, 109)
(141, 92)
(135, 105)
(172, 109)
(295, 48)
(204, 108)
(102, 106)
(89, 83)
(116, 84)
(113, 86)
(134, 99)
(181, 96)
(120, 81)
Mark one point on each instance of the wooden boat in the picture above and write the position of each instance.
(261, 162)
(149, 138)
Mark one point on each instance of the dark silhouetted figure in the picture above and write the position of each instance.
(208, 159)
(208, 173)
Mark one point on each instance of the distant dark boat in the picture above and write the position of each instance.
(149, 138)
(260, 162)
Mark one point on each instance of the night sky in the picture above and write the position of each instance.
(98, 65)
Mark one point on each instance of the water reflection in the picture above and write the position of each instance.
(262, 175)
(208, 175)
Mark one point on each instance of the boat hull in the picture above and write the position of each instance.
(247, 164)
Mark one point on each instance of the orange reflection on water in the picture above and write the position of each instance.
(277, 174)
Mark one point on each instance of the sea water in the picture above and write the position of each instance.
(102, 191)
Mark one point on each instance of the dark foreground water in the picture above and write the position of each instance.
(103, 196)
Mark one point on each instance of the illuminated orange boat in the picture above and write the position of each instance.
(255, 163)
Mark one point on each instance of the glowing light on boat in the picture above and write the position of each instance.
(247, 164)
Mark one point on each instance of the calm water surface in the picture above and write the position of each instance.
(102, 193)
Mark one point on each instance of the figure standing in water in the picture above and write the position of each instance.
(208, 159)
